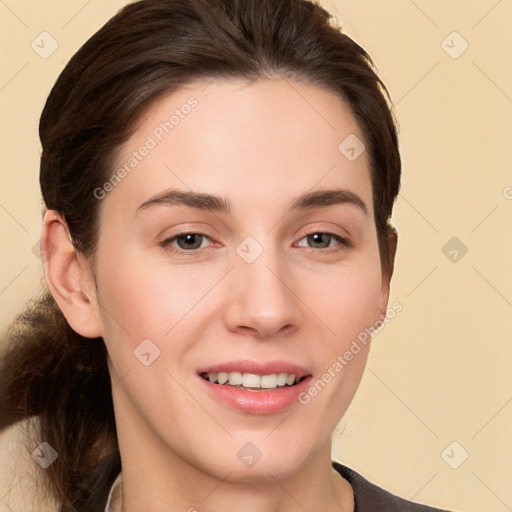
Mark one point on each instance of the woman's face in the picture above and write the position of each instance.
(260, 276)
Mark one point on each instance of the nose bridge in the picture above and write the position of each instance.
(262, 298)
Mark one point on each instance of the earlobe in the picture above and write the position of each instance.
(69, 278)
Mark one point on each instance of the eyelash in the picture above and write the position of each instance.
(166, 244)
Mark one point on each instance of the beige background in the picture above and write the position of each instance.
(440, 371)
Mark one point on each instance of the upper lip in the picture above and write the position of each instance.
(257, 368)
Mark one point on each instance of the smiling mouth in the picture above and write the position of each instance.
(252, 381)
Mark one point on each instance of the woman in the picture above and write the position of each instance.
(219, 177)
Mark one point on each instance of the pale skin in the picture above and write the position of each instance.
(260, 146)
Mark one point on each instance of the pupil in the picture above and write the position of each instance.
(319, 235)
(188, 238)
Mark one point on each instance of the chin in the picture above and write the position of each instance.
(263, 472)
(259, 461)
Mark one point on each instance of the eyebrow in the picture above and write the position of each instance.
(209, 202)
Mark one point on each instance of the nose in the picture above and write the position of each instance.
(261, 301)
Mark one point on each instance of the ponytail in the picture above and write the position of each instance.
(49, 371)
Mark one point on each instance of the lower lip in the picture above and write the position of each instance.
(257, 402)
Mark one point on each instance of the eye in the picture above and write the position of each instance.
(324, 240)
(187, 242)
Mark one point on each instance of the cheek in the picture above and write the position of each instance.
(137, 302)
(347, 305)
(146, 297)
(347, 300)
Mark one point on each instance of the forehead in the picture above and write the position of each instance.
(256, 141)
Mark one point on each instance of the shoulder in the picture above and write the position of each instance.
(370, 498)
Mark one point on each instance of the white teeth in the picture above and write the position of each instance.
(222, 377)
(251, 380)
(269, 381)
(235, 378)
(281, 379)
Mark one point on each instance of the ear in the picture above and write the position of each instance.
(69, 277)
(387, 272)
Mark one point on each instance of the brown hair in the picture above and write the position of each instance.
(149, 48)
